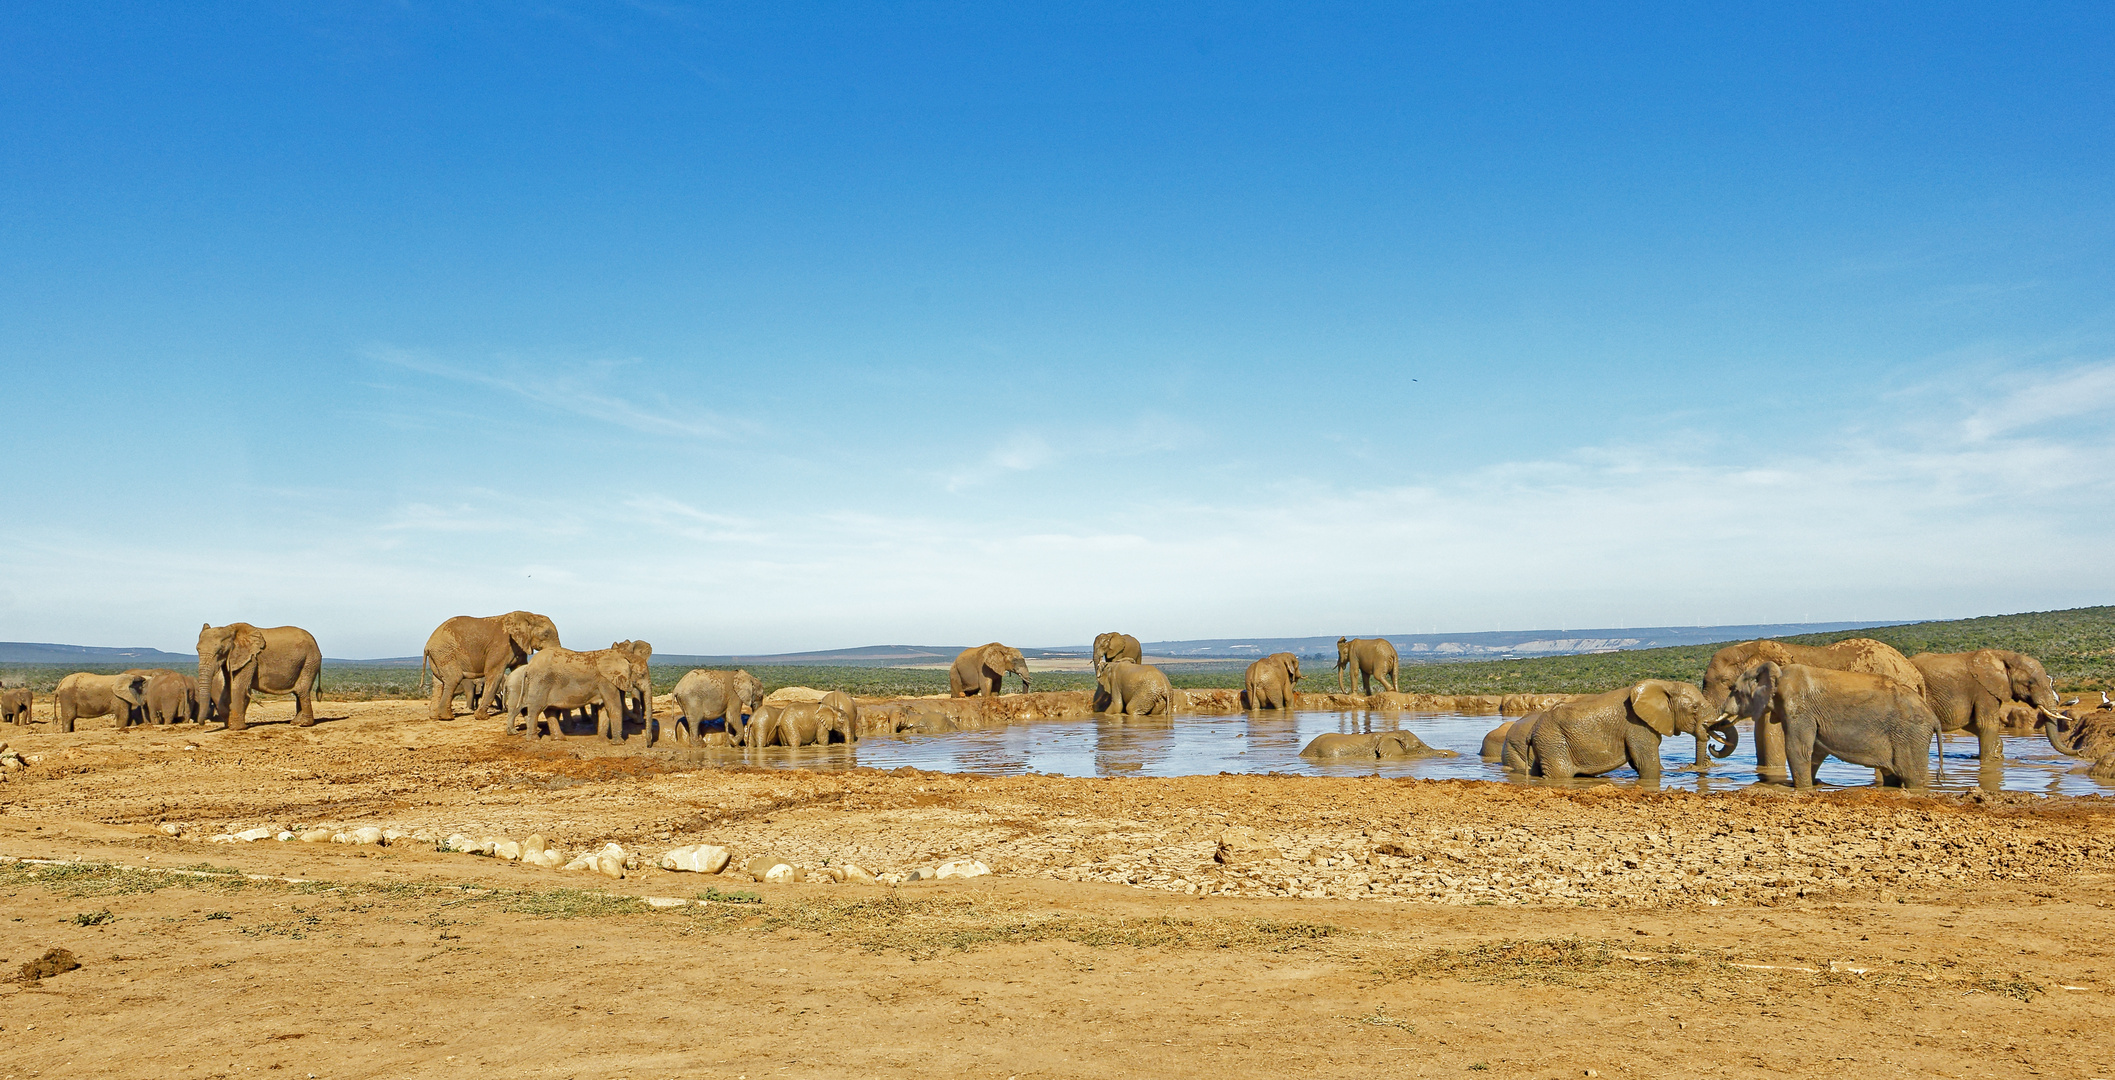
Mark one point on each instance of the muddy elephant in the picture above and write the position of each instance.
(1269, 682)
(839, 716)
(1115, 646)
(558, 679)
(171, 698)
(983, 670)
(1369, 659)
(1494, 740)
(1862, 718)
(469, 647)
(1123, 688)
(15, 705)
(1588, 736)
(1973, 691)
(82, 695)
(796, 723)
(1850, 654)
(2089, 735)
(1390, 745)
(727, 696)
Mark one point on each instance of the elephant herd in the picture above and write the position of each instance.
(1857, 700)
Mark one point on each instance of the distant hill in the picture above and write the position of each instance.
(43, 654)
(1501, 644)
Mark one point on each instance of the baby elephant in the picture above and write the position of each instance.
(1375, 745)
(1592, 735)
(1864, 719)
(14, 706)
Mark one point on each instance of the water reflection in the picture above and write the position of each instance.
(1270, 742)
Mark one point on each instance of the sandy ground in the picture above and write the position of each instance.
(1392, 927)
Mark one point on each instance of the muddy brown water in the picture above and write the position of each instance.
(1270, 742)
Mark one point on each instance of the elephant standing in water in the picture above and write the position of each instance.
(1115, 646)
(1589, 736)
(1862, 718)
(1369, 659)
(1127, 689)
(82, 695)
(555, 680)
(1269, 682)
(273, 659)
(1850, 654)
(1970, 691)
(983, 670)
(730, 697)
(469, 650)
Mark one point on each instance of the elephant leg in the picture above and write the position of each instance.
(305, 700)
(1770, 749)
(444, 690)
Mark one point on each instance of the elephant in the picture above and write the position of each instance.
(1857, 716)
(983, 670)
(1378, 744)
(727, 696)
(1124, 688)
(1369, 659)
(82, 695)
(468, 647)
(839, 714)
(15, 706)
(1269, 682)
(274, 659)
(1589, 736)
(559, 678)
(172, 697)
(1494, 741)
(2091, 735)
(797, 723)
(1850, 654)
(1115, 646)
(1973, 690)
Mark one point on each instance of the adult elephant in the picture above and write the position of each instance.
(730, 697)
(1970, 691)
(1851, 654)
(468, 649)
(1124, 688)
(1369, 659)
(983, 670)
(1269, 682)
(82, 695)
(1115, 646)
(1376, 745)
(1589, 736)
(1860, 717)
(15, 703)
(273, 659)
(558, 679)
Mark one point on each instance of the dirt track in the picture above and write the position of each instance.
(1431, 927)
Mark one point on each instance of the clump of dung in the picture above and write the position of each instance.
(51, 963)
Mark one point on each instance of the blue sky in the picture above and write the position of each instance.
(748, 328)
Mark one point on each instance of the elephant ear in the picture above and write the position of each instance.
(248, 645)
(133, 689)
(1988, 667)
(1649, 701)
(520, 630)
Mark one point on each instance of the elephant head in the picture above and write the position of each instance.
(1668, 707)
(529, 632)
(130, 688)
(1007, 660)
(2010, 676)
(1343, 652)
(225, 651)
(1292, 666)
(1748, 696)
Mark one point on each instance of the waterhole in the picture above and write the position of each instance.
(1270, 742)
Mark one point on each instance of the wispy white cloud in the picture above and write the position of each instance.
(584, 391)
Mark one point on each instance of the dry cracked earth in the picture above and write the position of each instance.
(1196, 926)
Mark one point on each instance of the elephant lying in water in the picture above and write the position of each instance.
(1392, 745)
(1127, 689)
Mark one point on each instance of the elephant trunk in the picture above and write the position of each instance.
(210, 704)
(2057, 726)
(1725, 739)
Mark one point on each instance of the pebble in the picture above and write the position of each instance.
(251, 836)
(315, 836)
(696, 858)
(961, 868)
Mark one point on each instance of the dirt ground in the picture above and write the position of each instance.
(1356, 927)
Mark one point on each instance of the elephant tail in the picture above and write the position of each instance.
(424, 660)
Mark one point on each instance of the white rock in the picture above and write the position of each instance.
(608, 866)
(833, 874)
(961, 868)
(585, 861)
(507, 849)
(283, 836)
(366, 834)
(889, 879)
(697, 859)
(856, 874)
(251, 836)
(782, 873)
(548, 858)
(170, 828)
(457, 842)
(923, 873)
(223, 838)
(664, 901)
(391, 836)
(315, 836)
